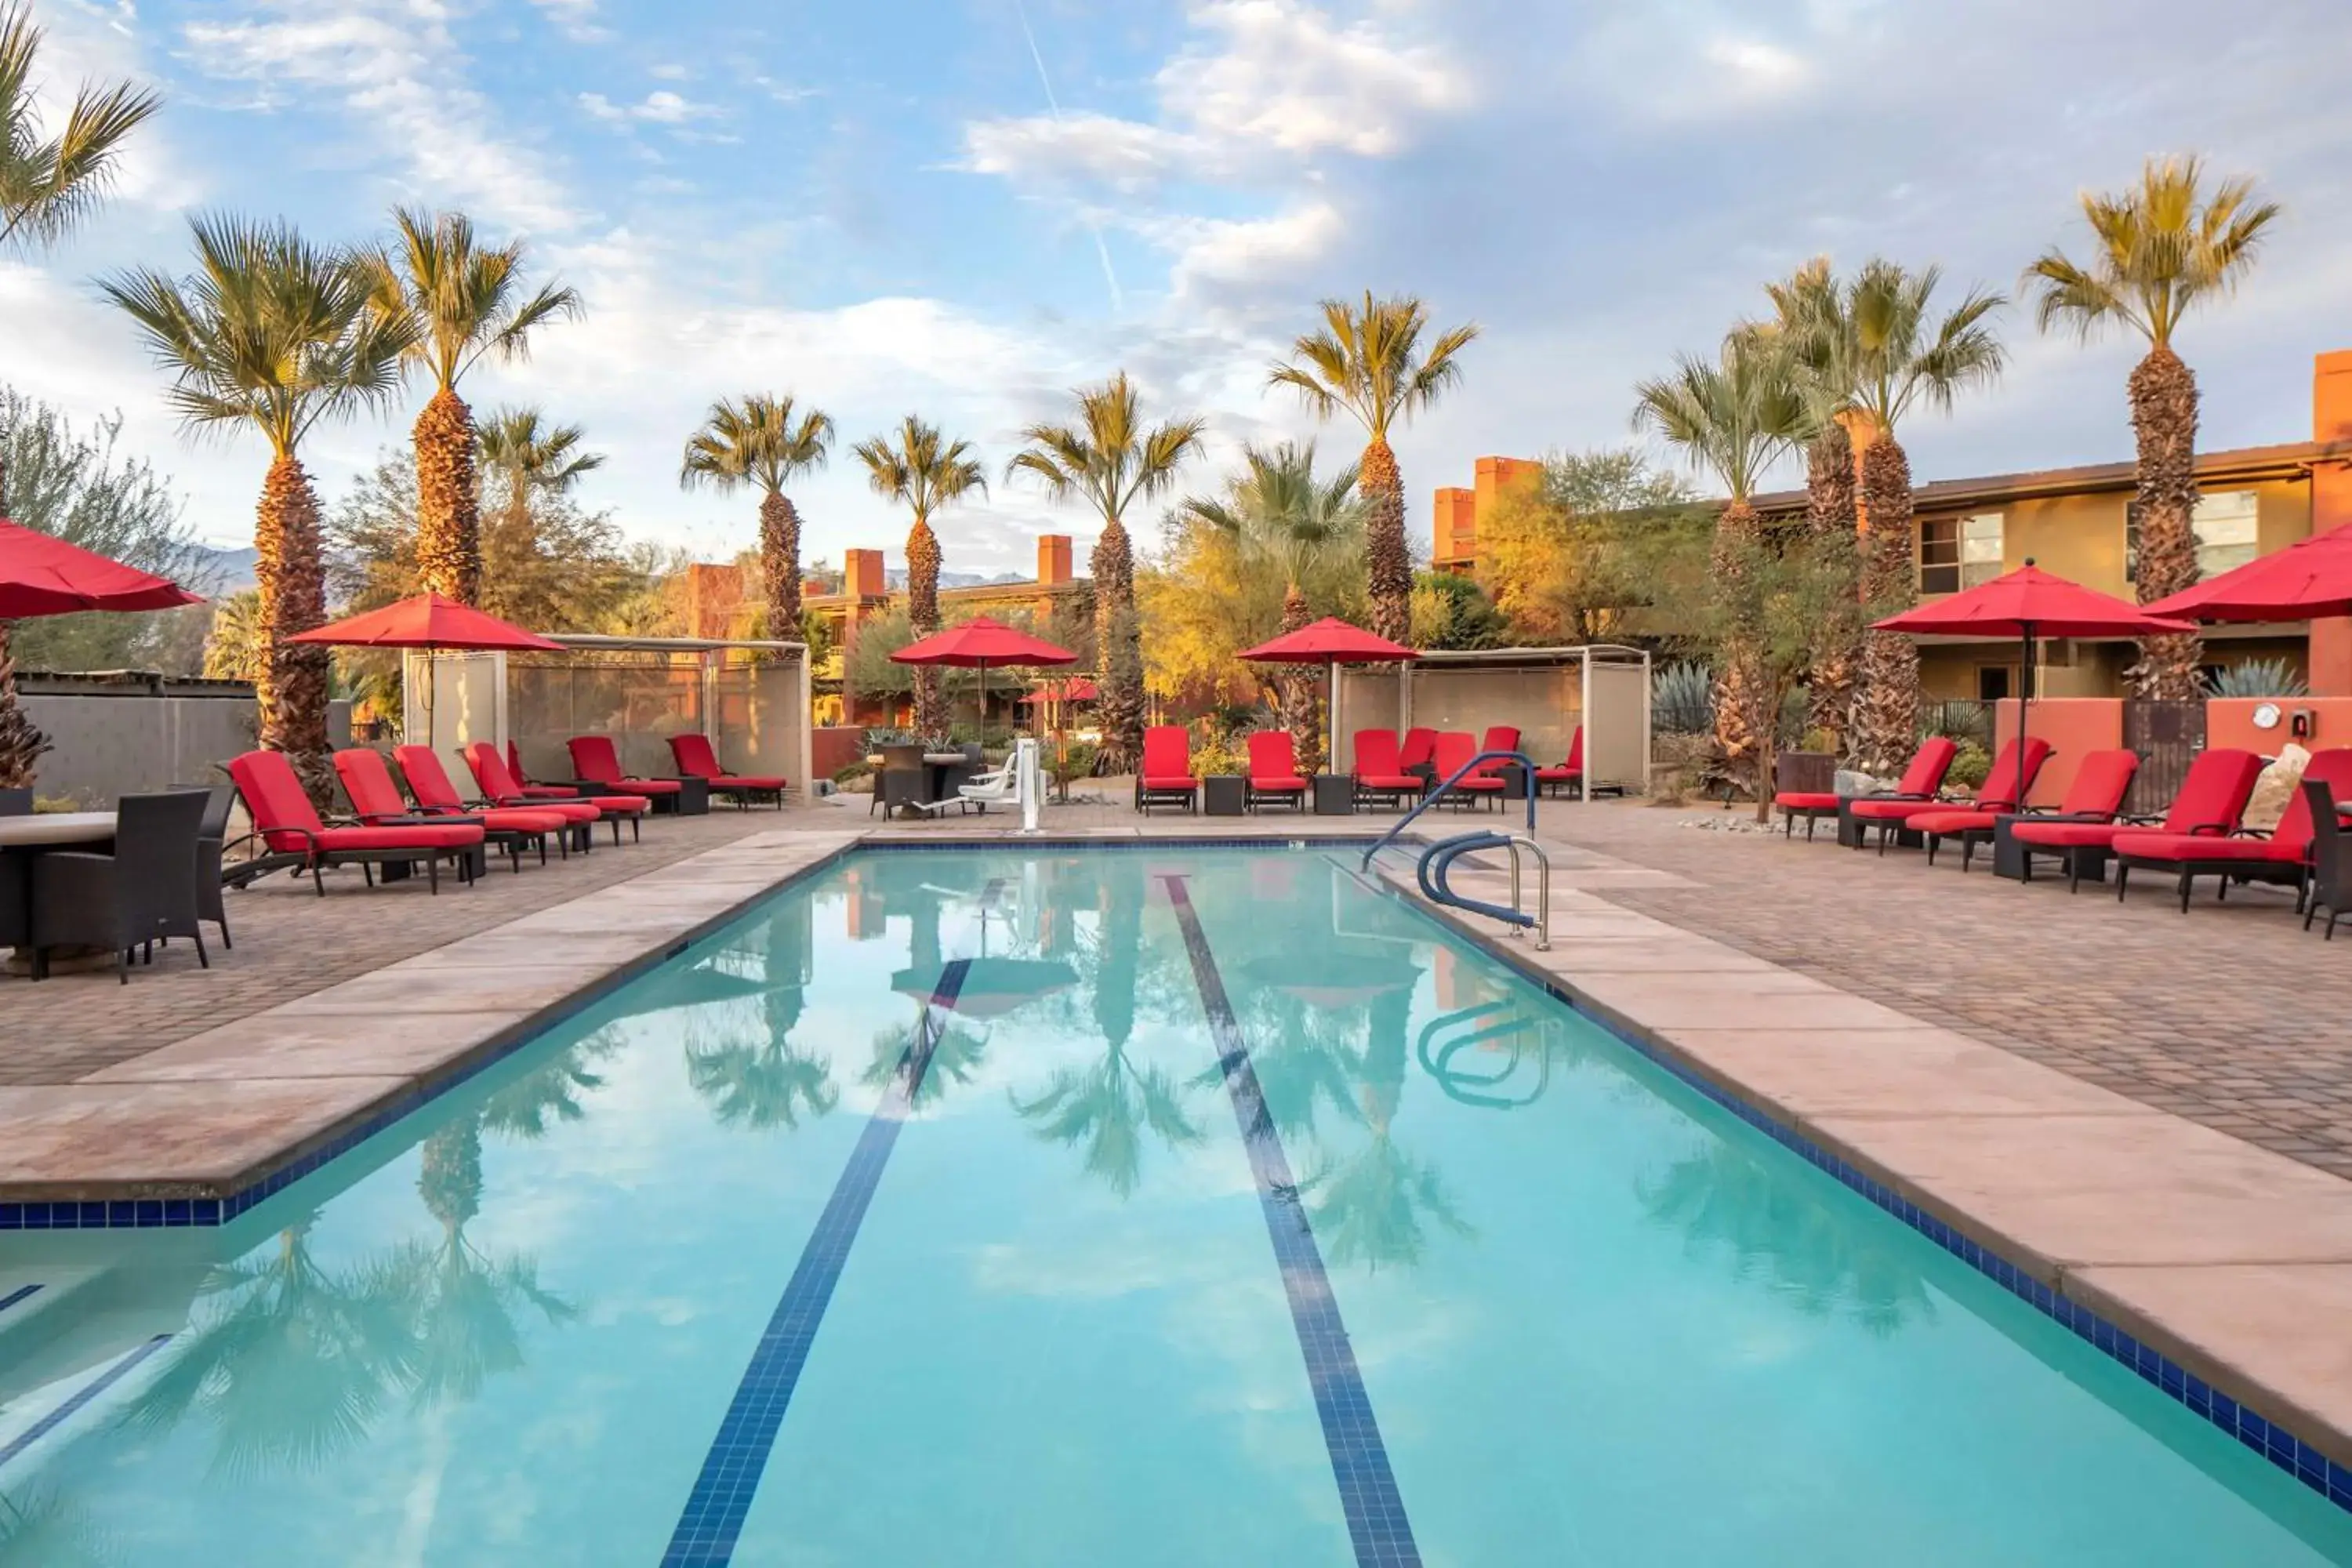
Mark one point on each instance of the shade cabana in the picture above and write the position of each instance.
(1545, 693)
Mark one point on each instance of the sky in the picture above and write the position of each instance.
(964, 208)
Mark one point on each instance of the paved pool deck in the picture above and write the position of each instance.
(1915, 1024)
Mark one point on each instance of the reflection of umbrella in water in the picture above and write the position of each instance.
(1334, 979)
(709, 984)
(991, 986)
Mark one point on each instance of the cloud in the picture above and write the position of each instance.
(1251, 253)
(576, 19)
(1288, 76)
(658, 108)
(1125, 154)
(393, 65)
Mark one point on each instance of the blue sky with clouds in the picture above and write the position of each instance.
(884, 206)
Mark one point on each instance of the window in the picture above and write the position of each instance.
(2227, 526)
(1992, 682)
(1957, 553)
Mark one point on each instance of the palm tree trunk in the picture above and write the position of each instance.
(2164, 422)
(1301, 714)
(1389, 563)
(780, 564)
(1743, 729)
(923, 613)
(1829, 518)
(448, 509)
(21, 741)
(291, 581)
(1886, 701)
(1118, 646)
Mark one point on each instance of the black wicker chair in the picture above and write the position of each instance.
(145, 889)
(2331, 859)
(212, 835)
(15, 802)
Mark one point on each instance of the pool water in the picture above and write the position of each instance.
(1146, 1207)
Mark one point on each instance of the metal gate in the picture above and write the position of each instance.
(2168, 736)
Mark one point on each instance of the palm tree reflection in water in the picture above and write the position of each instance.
(1370, 1206)
(767, 1081)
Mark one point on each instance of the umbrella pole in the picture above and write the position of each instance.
(2024, 709)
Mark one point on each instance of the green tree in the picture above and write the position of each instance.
(458, 302)
(923, 472)
(276, 333)
(1569, 555)
(1368, 360)
(1298, 528)
(1451, 611)
(1733, 417)
(1109, 460)
(757, 442)
(2161, 249)
(1899, 354)
(47, 184)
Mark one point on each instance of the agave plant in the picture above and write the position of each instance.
(1682, 700)
(2256, 678)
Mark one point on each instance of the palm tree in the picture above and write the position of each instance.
(1825, 379)
(1111, 461)
(47, 184)
(1899, 355)
(529, 456)
(2161, 249)
(923, 472)
(1734, 418)
(757, 443)
(1366, 361)
(275, 332)
(462, 300)
(1276, 512)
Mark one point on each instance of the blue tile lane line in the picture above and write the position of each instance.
(18, 1294)
(722, 1499)
(1360, 1461)
(88, 1391)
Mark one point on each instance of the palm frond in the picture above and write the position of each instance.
(2160, 246)
(48, 186)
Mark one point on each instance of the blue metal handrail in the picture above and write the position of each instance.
(1432, 799)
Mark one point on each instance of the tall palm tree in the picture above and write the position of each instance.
(757, 443)
(1825, 378)
(2162, 247)
(1900, 354)
(529, 456)
(47, 184)
(274, 333)
(1733, 418)
(1368, 360)
(1278, 514)
(1111, 461)
(462, 300)
(923, 471)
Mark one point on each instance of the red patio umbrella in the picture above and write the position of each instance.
(41, 574)
(978, 643)
(1078, 688)
(2026, 603)
(428, 621)
(2310, 578)
(1330, 642)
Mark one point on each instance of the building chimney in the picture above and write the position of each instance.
(1453, 531)
(1053, 559)
(862, 576)
(2329, 658)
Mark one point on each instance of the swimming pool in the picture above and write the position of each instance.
(1158, 1207)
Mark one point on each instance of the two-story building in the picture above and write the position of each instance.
(2076, 522)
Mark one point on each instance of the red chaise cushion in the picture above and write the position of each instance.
(1804, 800)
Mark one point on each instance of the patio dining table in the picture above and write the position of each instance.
(21, 838)
(935, 768)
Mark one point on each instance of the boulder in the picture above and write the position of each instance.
(1853, 782)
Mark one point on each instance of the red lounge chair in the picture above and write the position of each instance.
(1920, 781)
(1999, 793)
(697, 760)
(1274, 772)
(430, 787)
(1570, 774)
(535, 791)
(1380, 770)
(2283, 854)
(1454, 749)
(2096, 796)
(1165, 776)
(2211, 800)
(375, 800)
(1419, 752)
(283, 816)
(498, 788)
(597, 767)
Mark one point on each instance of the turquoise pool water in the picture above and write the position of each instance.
(932, 1216)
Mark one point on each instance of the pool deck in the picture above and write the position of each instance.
(1927, 1028)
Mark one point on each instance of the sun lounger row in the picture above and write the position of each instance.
(1389, 772)
(2201, 835)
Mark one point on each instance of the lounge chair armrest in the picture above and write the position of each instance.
(2211, 830)
(2142, 821)
(2255, 833)
(427, 819)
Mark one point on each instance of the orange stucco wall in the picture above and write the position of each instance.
(2074, 727)
(2230, 721)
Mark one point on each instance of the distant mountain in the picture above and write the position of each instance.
(896, 577)
(221, 573)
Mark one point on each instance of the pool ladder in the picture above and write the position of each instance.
(1437, 862)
